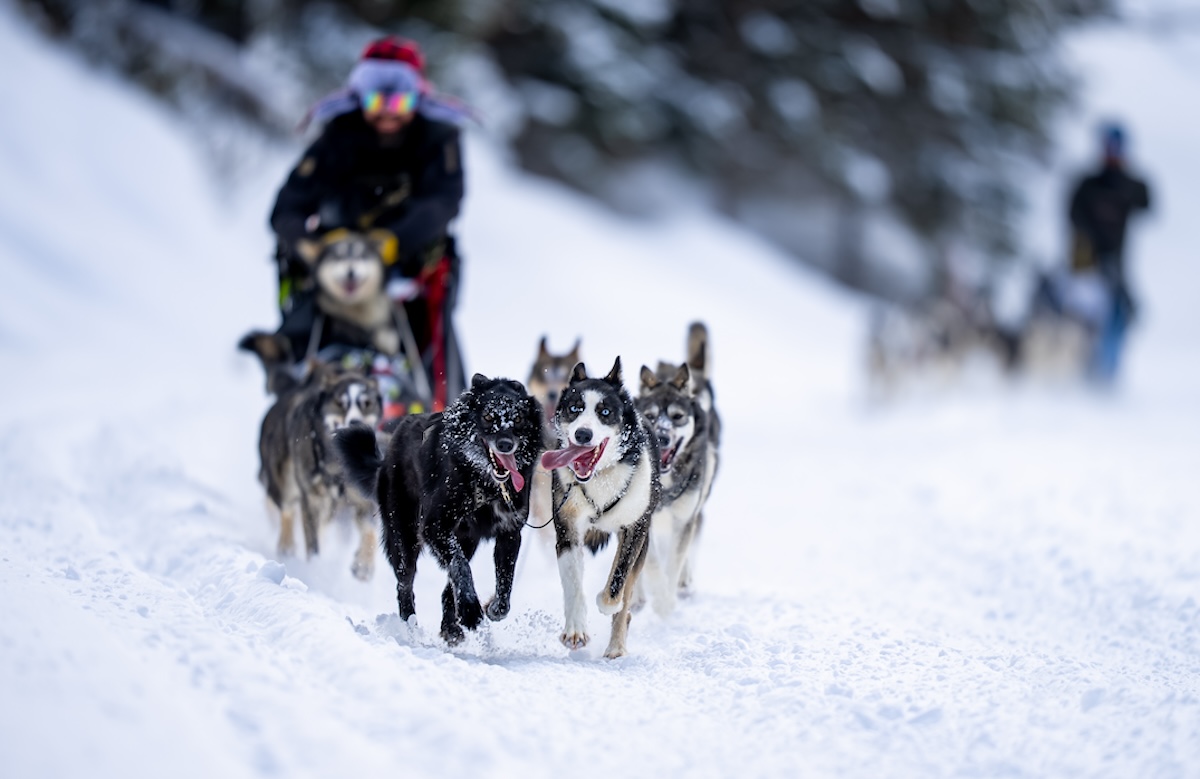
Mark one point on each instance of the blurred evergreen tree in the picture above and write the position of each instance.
(919, 106)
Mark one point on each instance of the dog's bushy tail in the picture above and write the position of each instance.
(358, 449)
(275, 353)
(697, 350)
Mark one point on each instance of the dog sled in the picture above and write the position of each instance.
(399, 331)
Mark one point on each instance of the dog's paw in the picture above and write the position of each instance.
(574, 639)
(664, 608)
(363, 571)
(497, 609)
(613, 652)
(453, 635)
(470, 614)
(608, 606)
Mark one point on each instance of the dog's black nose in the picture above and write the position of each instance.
(552, 396)
(583, 436)
(505, 445)
(664, 441)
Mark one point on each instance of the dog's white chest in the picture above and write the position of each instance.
(610, 500)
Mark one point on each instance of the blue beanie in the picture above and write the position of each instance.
(1113, 136)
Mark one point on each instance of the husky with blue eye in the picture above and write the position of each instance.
(604, 482)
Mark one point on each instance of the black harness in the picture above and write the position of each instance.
(683, 486)
(600, 512)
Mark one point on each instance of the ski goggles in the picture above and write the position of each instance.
(398, 103)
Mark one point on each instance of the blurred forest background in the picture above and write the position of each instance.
(882, 141)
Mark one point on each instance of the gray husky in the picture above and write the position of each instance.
(677, 402)
(605, 481)
(298, 469)
(548, 378)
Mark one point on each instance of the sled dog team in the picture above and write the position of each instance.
(579, 453)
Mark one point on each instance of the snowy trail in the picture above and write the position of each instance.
(1051, 639)
(1002, 583)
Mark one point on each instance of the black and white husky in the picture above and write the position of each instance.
(604, 481)
(447, 481)
(677, 402)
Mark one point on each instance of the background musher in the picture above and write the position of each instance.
(1101, 205)
(388, 160)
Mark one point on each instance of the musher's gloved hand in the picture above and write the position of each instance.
(402, 290)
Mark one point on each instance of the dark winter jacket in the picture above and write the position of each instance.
(1100, 207)
(350, 179)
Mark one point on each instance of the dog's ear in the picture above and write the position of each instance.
(683, 377)
(614, 376)
(478, 381)
(574, 353)
(649, 380)
(309, 250)
(543, 352)
(579, 373)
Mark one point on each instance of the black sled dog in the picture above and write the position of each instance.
(450, 480)
(677, 402)
(605, 481)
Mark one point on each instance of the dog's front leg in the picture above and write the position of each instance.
(570, 570)
(508, 545)
(653, 580)
(287, 528)
(316, 506)
(451, 556)
(631, 555)
(363, 566)
(679, 561)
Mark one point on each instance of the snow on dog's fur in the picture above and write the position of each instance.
(447, 481)
(605, 481)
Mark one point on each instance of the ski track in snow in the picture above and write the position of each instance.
(1000, 583)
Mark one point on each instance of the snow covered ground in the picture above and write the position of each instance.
(999, 582)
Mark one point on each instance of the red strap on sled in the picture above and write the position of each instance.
(435, 279)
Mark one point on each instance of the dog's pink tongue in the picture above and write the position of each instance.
(510, 464)
(560, 457)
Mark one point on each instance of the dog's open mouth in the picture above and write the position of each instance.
(667, 456)
(350, 286)
(505, 466)
(581, 459)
